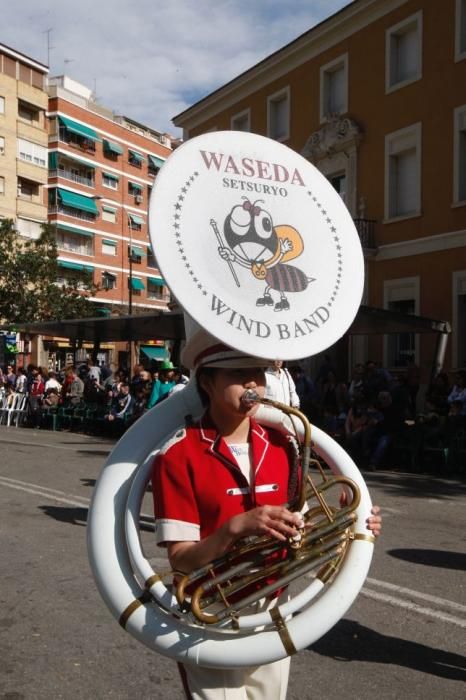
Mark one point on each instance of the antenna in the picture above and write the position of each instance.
(49, 47)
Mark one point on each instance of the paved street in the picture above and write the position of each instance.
(405, 637)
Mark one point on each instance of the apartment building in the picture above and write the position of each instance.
(23, 140)
(101, 171)
(374, 96)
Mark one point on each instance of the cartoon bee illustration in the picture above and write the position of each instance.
(253, 241)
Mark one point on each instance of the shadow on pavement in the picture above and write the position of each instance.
(88, 482)
(78, 516)
(94, 453)
(73, 516)
(416, 486)
(431, 557)
(350, 641)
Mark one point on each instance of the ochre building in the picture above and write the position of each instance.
(375, 98)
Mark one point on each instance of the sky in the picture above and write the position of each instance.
(151, 60)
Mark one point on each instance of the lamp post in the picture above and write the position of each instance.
(130, 293)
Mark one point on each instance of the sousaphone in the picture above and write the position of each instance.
(259, 250)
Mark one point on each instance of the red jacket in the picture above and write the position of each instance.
(198, 485)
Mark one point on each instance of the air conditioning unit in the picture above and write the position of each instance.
(138, 198)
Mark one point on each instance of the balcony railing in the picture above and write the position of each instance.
(74, 177)
(70, 246)
(366, 231)
(69, 211)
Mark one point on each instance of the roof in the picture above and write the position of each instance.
(170, 326)
(160, 325)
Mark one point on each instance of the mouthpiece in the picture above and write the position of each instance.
(250, 397)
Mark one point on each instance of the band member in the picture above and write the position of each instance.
(218, 481)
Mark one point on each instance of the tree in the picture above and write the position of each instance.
(28, 280)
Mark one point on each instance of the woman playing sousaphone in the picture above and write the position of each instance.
(221, 480)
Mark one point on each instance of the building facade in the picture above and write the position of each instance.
(375, 98)
(101, 172)
(23, 140)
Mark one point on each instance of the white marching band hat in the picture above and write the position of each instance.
(203, 350)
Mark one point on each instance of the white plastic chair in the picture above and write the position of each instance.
(3, 406)
(18, 409)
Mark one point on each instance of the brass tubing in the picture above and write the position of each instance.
(290, 570)
(298, 570)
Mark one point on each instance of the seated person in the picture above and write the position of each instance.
(121, 406)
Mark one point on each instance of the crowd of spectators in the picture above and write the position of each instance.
(368, 413)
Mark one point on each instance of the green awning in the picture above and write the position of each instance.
(154, 353)
(137, 284)
(136, 219)
(77, 201)
(136, 156)
(136, 251)
(109, 242)
(155, 162)
(135, 186)
(111, 147)
(111, 176)
(79, 129)
(157, 281)
(75, 266)
(53, 160)
(109, 209)
(103, 311)
(77, 231)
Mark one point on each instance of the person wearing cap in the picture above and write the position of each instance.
(217, 481)
(163, 384)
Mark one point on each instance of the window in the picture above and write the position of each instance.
(460, 30)
(241, 121)
(334, 87)
(108, 280)
(32, 152)
(155, 289)
(109, 247)
(278, 115)
(151, 260)
(2, 104)
(459, 320)
(135, 189)
(403, 172)
(27, 189)
(75, 242)
(338, 182)
(403, 53)
(2, 185)
(27, 112)
(2, 145)
(401, 295)
(459, 155)
(109, 214)
(110, 180)
(28, 228)
(135, 158)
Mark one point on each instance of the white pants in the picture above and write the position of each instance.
(267, 682)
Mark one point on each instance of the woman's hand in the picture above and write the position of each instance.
(275, 521)
(374, 521)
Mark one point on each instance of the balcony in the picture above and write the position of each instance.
(69, 211)
(72, 176)
(366, 231)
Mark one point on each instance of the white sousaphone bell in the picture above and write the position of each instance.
(261, 252)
